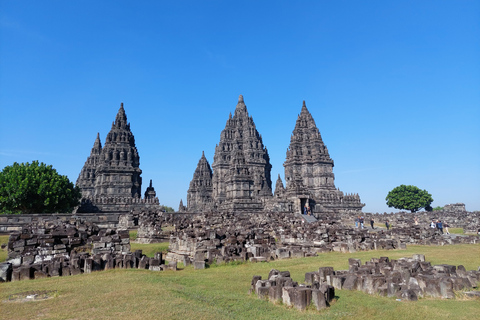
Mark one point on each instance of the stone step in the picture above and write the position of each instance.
(308, 218)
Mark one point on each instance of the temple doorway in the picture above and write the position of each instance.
(303, 202)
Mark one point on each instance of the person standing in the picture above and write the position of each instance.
(387, 225)
(432, 224)
(416, 221)
(372, 222)
(361, 222)
(356, 221)
(440, 226)
(445, 225)
(305, 211)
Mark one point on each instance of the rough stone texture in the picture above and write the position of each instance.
(241, 178)
(110, 179)
(241, 164)
(200, 193)
(309, 172)
(280, 287)
(224, 237)
(405, 278)
(86, 179)
(61, 248)
(150, 225)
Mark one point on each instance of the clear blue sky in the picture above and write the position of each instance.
(394, 86)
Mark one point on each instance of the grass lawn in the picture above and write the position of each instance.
(222, 292)
(3, 252)
(147, 249)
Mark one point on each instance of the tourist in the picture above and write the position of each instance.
(432, 224)
(416, 221)
(440, 226)
(361, 222)
(387, 225)
(356, 221)
(372, 222)
(309, 211)
(445, 225)
(305, 210)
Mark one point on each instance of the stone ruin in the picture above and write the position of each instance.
(241, 178)
(151, 227)
(223, 237)
(58, 248)
(404, 278)
(469, 221)
(110, 180)
(279, 287)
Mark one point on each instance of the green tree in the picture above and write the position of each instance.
(409, 198)
(167, 209)
(36, 188)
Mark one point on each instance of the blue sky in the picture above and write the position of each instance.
(394, 86)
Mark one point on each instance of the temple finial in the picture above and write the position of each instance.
(304, 105)
(150, 183)
(240, 99)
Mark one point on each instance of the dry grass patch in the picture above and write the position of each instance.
(222, 292)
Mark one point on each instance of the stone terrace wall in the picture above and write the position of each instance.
(14, 222)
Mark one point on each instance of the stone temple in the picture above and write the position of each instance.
(111, 179)
(241, 179)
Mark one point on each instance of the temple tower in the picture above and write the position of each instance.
(241, 165)
(86, 178)
(307, 156)
(118, 171)
(150, 192)
(199, 195)
(279, 188)
(309, 171)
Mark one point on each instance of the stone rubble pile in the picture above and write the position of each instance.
(59, 248)
(454, 215)
(279, 287)
(405, 278)
(150, 226)
(224, 237)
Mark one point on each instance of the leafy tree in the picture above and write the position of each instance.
(36, 188)
(437, 208)
(409, 198)
(167, 209)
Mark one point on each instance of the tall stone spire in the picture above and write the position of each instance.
(308, 156)
(279, 188)
(199, 195)
(118, 172)
(309, 171)
(241, 164)
(86, 178)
